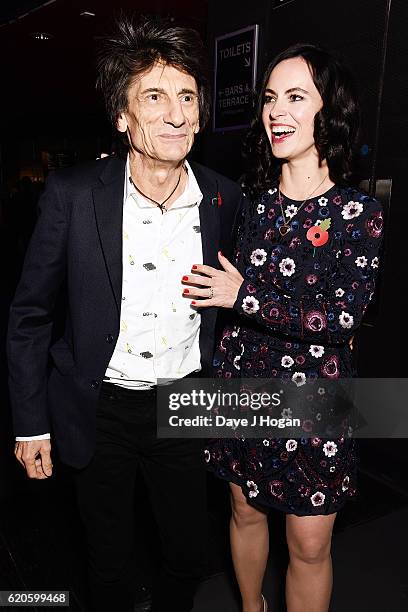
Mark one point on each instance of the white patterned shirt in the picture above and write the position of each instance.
(159, 331)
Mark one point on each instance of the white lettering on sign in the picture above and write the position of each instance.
(240, 49)
(237, 100)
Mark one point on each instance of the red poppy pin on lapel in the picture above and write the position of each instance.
(318, 234)
(217, 200)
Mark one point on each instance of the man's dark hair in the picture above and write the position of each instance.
(336, 125)
(135, 46)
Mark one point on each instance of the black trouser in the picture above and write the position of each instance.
(173, 469)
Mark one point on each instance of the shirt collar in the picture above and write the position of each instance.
(191, 196)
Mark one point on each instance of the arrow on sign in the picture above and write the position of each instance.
(247, 63)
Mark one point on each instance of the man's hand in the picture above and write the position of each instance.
(35, 457)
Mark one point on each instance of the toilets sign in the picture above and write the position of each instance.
(235, 78)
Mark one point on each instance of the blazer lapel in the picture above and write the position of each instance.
(209, 216)
(108, 207)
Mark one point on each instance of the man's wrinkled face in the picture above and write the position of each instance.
(162, 117)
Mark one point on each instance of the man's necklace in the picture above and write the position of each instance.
(285, 227)
(161, 205)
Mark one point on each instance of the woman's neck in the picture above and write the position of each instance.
(302, 180)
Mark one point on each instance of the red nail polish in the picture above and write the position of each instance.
(185, 278)
(194, 267)
(220, 252)
(186, 291)
(193, 303)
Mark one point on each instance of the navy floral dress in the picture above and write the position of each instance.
(303, 297)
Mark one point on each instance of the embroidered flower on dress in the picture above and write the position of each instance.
(260, 209)
(330, 449)
(258, 257)
(311, 279)
(316, 351)
(374, 224)
(351, 210)
(318, 498)
(250, 304)
(287, 266)
(207, 455)
(322, 201)
(299, 378)
(286, 413)
(253, 488)
(291, 445)
(287, 361)
(266, 442)
(272, 191)
(346, 320)
(345, 483)
(291, 211)
(339, 292)
(361, 261)
(315, 321)
(374, 262)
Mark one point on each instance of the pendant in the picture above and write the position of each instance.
(284, 229)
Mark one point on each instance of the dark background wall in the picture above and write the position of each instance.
(50, 115)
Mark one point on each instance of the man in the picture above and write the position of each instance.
(121, 234)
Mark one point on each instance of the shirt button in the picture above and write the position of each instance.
(94, 384)
(109, 338)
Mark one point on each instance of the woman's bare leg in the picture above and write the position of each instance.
(309, 577)
(249, 547)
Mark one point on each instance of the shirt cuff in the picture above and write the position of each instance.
(45, 436)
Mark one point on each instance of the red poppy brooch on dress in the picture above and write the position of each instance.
(318, 234)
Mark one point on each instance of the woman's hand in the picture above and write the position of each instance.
(218, 287)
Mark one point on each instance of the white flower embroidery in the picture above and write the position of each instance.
(250, 304)
(291, 445)
(299, 378)
(322, 201)
(266, 442)
(291, 211)
(345, 483)
(287, 361)
(321, 391)
(316, 351)
(374, 262)
(339, 292)
(272, 191)
(207, 455)
(330, 449)
(351, 210)
(346, 320)
(318, 498)
(287, 266)
(361, 261)
(260, 209)
(258, 257)
(253, 488)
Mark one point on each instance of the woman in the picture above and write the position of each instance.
(306, 262)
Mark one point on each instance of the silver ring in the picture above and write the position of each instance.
(211, 293)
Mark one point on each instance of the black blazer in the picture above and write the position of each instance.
(77, 242)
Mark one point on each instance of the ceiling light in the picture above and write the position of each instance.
(41, 36)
